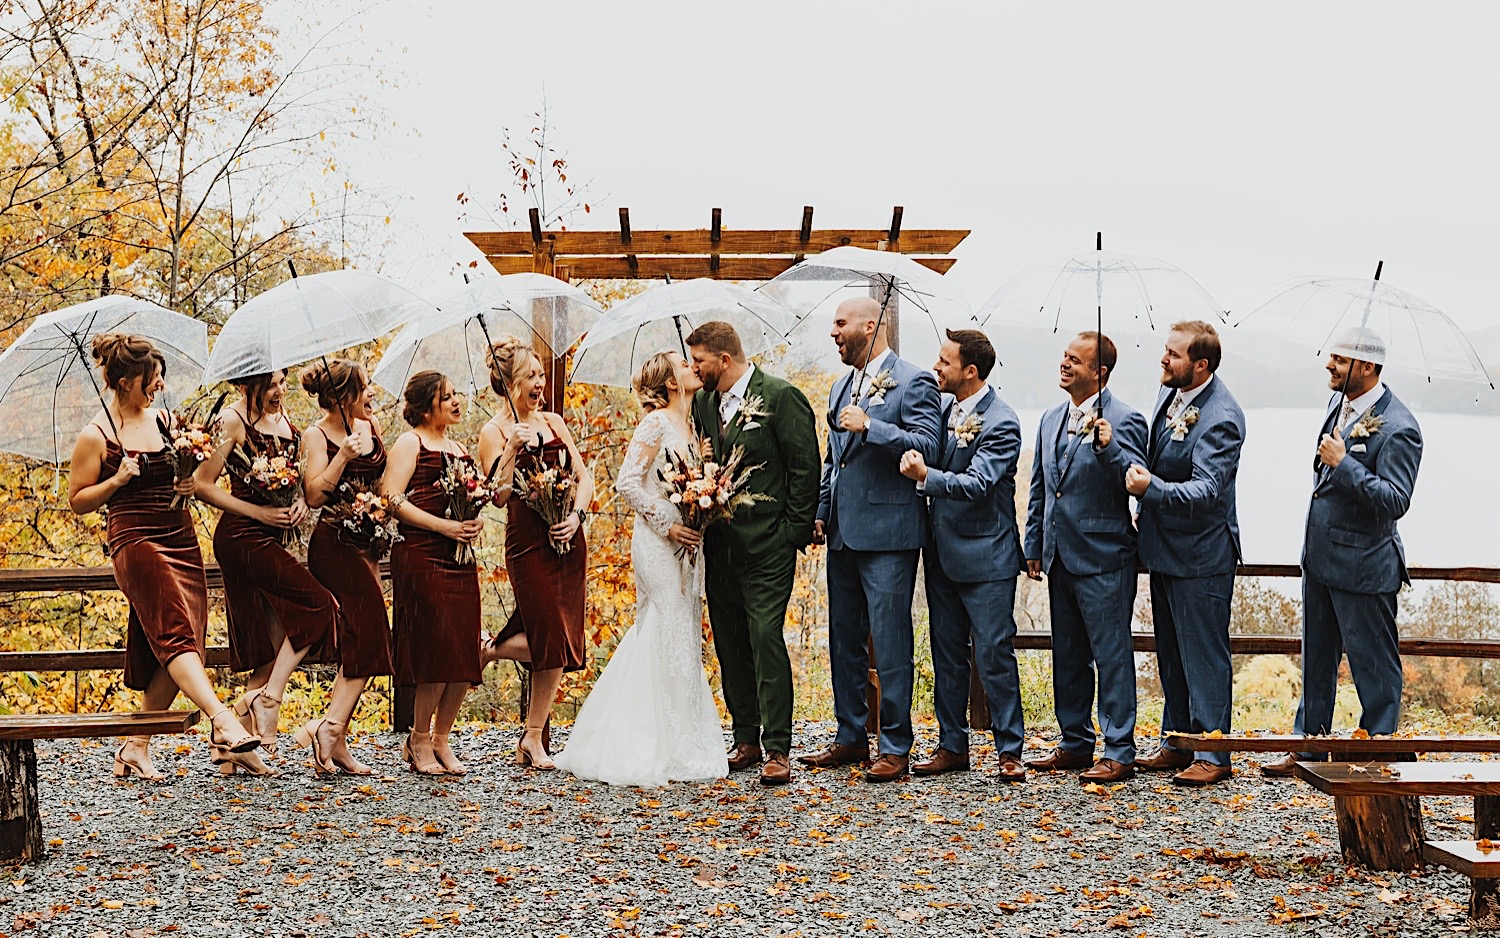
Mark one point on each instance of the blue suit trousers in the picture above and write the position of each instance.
(869, 598)
(978, 616)
(1091, 631)
(1190, 616)
(1336, 622)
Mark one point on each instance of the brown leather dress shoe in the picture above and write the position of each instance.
(1202, 773)
(1281, 768)
(888, 768)
(1059, 760)
(1011, 769)
(942, 760)
(1164, 760)
(836, 754)
(777, 770)
(1107, 771)
(743, 756)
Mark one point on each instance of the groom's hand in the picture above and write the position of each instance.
(913, 466)
(819, 536)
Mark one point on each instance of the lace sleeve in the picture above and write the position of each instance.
(636, 484)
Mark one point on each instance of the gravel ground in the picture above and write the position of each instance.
(541, 854)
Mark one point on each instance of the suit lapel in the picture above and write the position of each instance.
(1076, 443)
(732, 431)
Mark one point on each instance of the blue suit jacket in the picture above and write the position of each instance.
(865, 503)
(1351, 541)
(1188, 524)
(972, 507)
(1079, 510)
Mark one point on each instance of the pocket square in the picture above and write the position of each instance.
(1357, 448)
(750, 425)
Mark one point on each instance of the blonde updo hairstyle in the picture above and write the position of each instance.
(122, 357)
(650, 383)
(341, 381)
(509, 357)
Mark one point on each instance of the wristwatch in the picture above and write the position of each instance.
(583, 515)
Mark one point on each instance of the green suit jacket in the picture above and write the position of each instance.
(784, 444)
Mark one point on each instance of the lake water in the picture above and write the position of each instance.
(1450, 523)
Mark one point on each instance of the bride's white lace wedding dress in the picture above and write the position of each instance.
(650, 718)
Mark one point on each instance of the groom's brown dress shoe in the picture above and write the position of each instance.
(836, 754)
(943, 760)
(1107, 771)
(777, 770)
(888, 768)
(1164, 760)
(1202, 773)
(1059, 760)
(1284, 767)
(743, 756)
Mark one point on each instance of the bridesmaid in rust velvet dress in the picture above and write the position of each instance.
(546, 631)
(435, 631)
(344, 447)
(120, 460)
(277, 610)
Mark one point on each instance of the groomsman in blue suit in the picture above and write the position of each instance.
(1080, 533)
(1369, 450)
(1190, 541)
(972, 557)
(874, 523)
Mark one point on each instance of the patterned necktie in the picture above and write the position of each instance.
(1174, 408)
(1345, 415)
(1075, 420)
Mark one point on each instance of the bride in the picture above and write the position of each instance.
(651, 718)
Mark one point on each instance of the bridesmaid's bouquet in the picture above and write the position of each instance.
(468, 492)
(273, 476)
(549, 491)
(705, 491)
(188, 444)
(365, 519)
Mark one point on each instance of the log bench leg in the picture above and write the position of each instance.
(1380, 832)
(20, 811)
(1484, 898)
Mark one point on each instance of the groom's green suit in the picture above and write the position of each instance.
(752, 559)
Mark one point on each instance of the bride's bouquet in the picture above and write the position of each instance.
(365, 519)
(468, 492)
(704, 491)
(549, 491)
(273, 476)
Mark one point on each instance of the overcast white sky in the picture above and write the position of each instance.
(1245, 142)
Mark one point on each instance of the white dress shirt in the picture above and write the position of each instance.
(863, 377)
(962, 409)
(1352, 410)
(1184, 399)
(1078, 413)
(730, 400)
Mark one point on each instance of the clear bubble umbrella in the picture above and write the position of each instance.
(49, 387)
(661, 318)
(309, 317)
(893, 279)
(1131, 293)
(456, 337)
(1399, 331)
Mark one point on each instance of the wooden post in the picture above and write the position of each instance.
(1484, 897)
(1381, 832)
(20, 810)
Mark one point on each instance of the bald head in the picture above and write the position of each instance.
(854, 331)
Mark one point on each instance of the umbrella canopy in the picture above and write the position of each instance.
(884, 274)
(660, 319)
(455, 338)
(48, 384)
(307, 317)
(1408, 333)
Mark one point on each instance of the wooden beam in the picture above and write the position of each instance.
(96, 725)
(625, 238)
(715, 232)
(700, 240)
(804, 234)
(678, 266)
(894, 234)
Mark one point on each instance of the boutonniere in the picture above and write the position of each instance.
(880, 384)
(751, 409)
(1086, 429)
(966, 431)
(1365, 427)
(1182, 423)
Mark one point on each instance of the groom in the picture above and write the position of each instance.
(752, 558)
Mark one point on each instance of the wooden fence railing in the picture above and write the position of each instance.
(96, 579)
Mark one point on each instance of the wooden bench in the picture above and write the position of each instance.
(20, 808)
(1378, 809)
(1481, 863)
(1351, 748)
